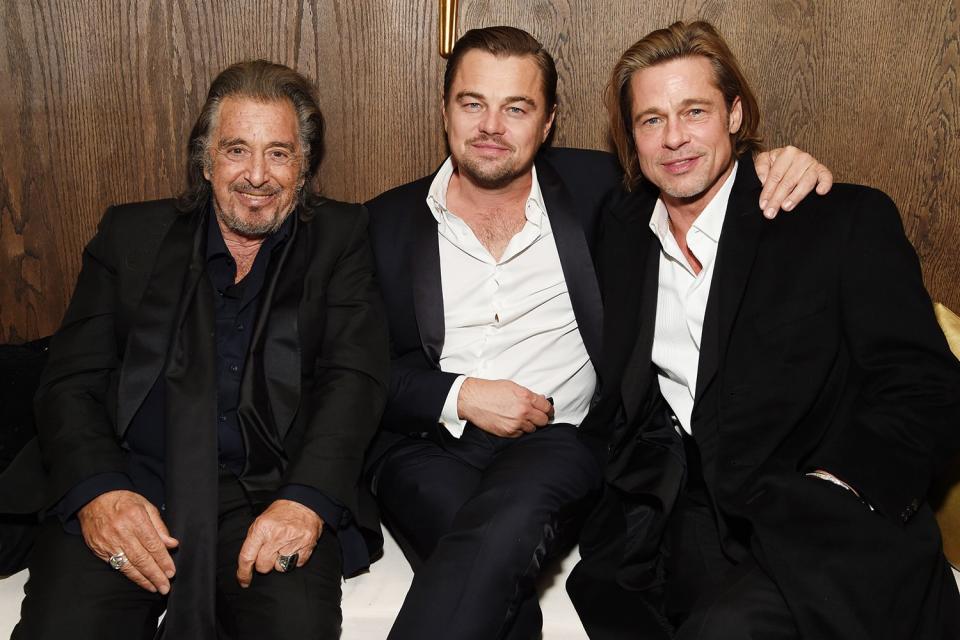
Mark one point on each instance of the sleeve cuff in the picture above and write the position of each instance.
(333, 514)
(449, 417)
(353, 549)
(84, 492)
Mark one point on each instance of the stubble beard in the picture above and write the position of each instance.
(688, 191)
(256, 228)
(254, 225)
(694, 186)
(491, 174)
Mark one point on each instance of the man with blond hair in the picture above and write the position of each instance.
(779, 393)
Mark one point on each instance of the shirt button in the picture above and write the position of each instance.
(222, 418)
(234, 368)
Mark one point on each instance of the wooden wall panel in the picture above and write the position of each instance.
(99, 96)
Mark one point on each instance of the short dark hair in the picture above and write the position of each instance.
(679, 40)
(502, 42)
(263, 81)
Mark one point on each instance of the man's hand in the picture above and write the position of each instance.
(502, 407)
(124, 521)
(285, 528)
(788, 176)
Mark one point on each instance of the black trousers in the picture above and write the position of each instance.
(709, 595)
(479, 516)
(846, 571)
(73, 594)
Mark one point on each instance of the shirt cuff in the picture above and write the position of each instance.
(84, 492)
(449, 417)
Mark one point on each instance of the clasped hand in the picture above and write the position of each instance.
(502, 407)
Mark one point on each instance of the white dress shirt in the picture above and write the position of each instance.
(509, 319)
(682, 300)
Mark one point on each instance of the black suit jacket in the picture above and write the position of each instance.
(403, 232)
(819, 351)
(315, 377)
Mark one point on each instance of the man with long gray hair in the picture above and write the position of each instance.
(209, 396)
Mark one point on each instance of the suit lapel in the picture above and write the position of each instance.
(276, 341)
(742, 227)
(633, 386)
(575, 259)
(426, 282)
(174, 272)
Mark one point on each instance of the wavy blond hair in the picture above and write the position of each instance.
(679, 40)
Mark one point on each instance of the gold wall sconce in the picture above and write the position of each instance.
(448, 26)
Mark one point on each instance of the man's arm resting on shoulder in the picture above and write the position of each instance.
(788, 175)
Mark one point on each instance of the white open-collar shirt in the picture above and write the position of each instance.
(512, 318)
(682, 300)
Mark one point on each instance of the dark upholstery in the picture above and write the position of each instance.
(20, 368)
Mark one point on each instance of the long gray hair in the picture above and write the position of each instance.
(264, 81)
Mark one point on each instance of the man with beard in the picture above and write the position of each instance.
(778, 394)
(495, 318)
(211, 391)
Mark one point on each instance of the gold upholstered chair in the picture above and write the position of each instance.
(946, 495)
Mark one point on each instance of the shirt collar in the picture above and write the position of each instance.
(535, 209)
(710, 220)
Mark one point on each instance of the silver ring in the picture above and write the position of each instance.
(118, 560)
(287, 563)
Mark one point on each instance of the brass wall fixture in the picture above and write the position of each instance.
(448, 26)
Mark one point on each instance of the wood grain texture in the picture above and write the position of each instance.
(99, 97)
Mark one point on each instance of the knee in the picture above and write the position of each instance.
(521, 526)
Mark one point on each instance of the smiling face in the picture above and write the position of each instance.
(682, 129)
(255, 165)
(496, 117)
